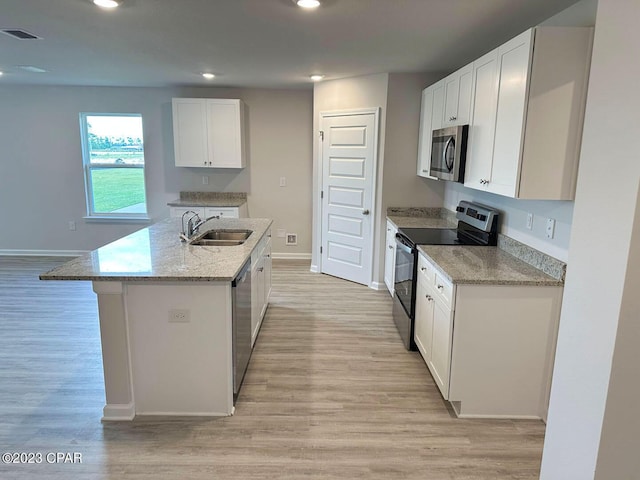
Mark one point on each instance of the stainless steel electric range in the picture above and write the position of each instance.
(477, 225)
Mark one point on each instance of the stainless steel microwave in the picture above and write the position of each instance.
(448, 153)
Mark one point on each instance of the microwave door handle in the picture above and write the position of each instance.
(444, 154)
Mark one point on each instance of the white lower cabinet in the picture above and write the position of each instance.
(434, 324)
(490, 348)
(390, 257)
(260, 283)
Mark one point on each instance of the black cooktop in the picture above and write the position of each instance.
(436, 236)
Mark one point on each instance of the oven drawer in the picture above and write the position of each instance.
(443, 289)
(426, 270)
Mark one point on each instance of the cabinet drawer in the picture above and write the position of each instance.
(444, 290)
(425, 269)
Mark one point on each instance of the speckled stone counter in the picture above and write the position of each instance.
(484, 265)
(420, 222)
(210, 199)
(157, 254)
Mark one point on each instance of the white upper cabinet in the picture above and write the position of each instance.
(445, 103)
(457, 97)
(209, 132)
(482, 128)
(437, 115)
(431, 113)
(528, 108)
(424, 137)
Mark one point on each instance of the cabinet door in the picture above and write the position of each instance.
(457, 104)
(425, 134)
(261, 288)
(267, 276)
(390, 258)
(451, 90)
(437, 113)
(513, 67)
(483, 118)
(190, 132)
(177, 212)
(423, 329)
(222, 212)
(224, 130)
(465, 86)
(255, 307)
(440, 363)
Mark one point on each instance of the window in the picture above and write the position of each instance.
(113, 158)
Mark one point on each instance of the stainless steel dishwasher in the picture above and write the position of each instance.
(241, 325)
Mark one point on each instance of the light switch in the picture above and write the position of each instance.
(283, 181)
(205, 180)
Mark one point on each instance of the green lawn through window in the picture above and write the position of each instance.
(116, 188)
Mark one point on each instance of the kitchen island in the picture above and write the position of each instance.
(165, 310)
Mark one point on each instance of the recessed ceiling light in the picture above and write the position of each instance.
(316, 78)
(1, 73)
(107, 3)
(308, 3)
(209, 76)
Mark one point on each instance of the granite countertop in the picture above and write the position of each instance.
(157, 254)
(209, 199)
(484, 266)
(420, 222)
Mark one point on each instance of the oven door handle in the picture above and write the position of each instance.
(403, 243)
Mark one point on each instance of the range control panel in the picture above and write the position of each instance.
(480, 216)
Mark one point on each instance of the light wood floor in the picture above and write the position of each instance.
(330, 393)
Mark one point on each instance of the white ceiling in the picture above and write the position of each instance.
(252, 43)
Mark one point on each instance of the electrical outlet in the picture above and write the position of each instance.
(283, 181)
(551, 227)
(72, 226)
(179, 315)
(281, 233)
(529, 221)
(205, 180)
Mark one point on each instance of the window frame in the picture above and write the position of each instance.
(87, 167)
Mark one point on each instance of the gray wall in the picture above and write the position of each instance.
(398, 96)
(41, 176)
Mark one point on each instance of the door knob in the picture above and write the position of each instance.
(365, 212)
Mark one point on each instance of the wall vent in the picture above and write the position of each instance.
(292, 239)
(20, 34)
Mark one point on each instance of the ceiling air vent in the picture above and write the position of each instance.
(20, 34)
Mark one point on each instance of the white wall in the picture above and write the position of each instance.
(601, 287)
(41, 176)
(513, 221)
(618, 455)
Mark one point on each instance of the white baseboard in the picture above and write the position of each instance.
(314, 269)
(378, 286)
(290, 256)
(42, 253)
(119, 412)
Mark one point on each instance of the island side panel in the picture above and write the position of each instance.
(181, 366)
(116, 362)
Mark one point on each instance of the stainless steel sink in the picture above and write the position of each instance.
(222, 238)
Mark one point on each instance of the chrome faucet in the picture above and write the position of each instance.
(187, 232)
(192, 227)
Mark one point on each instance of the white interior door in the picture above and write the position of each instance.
(348, 161)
